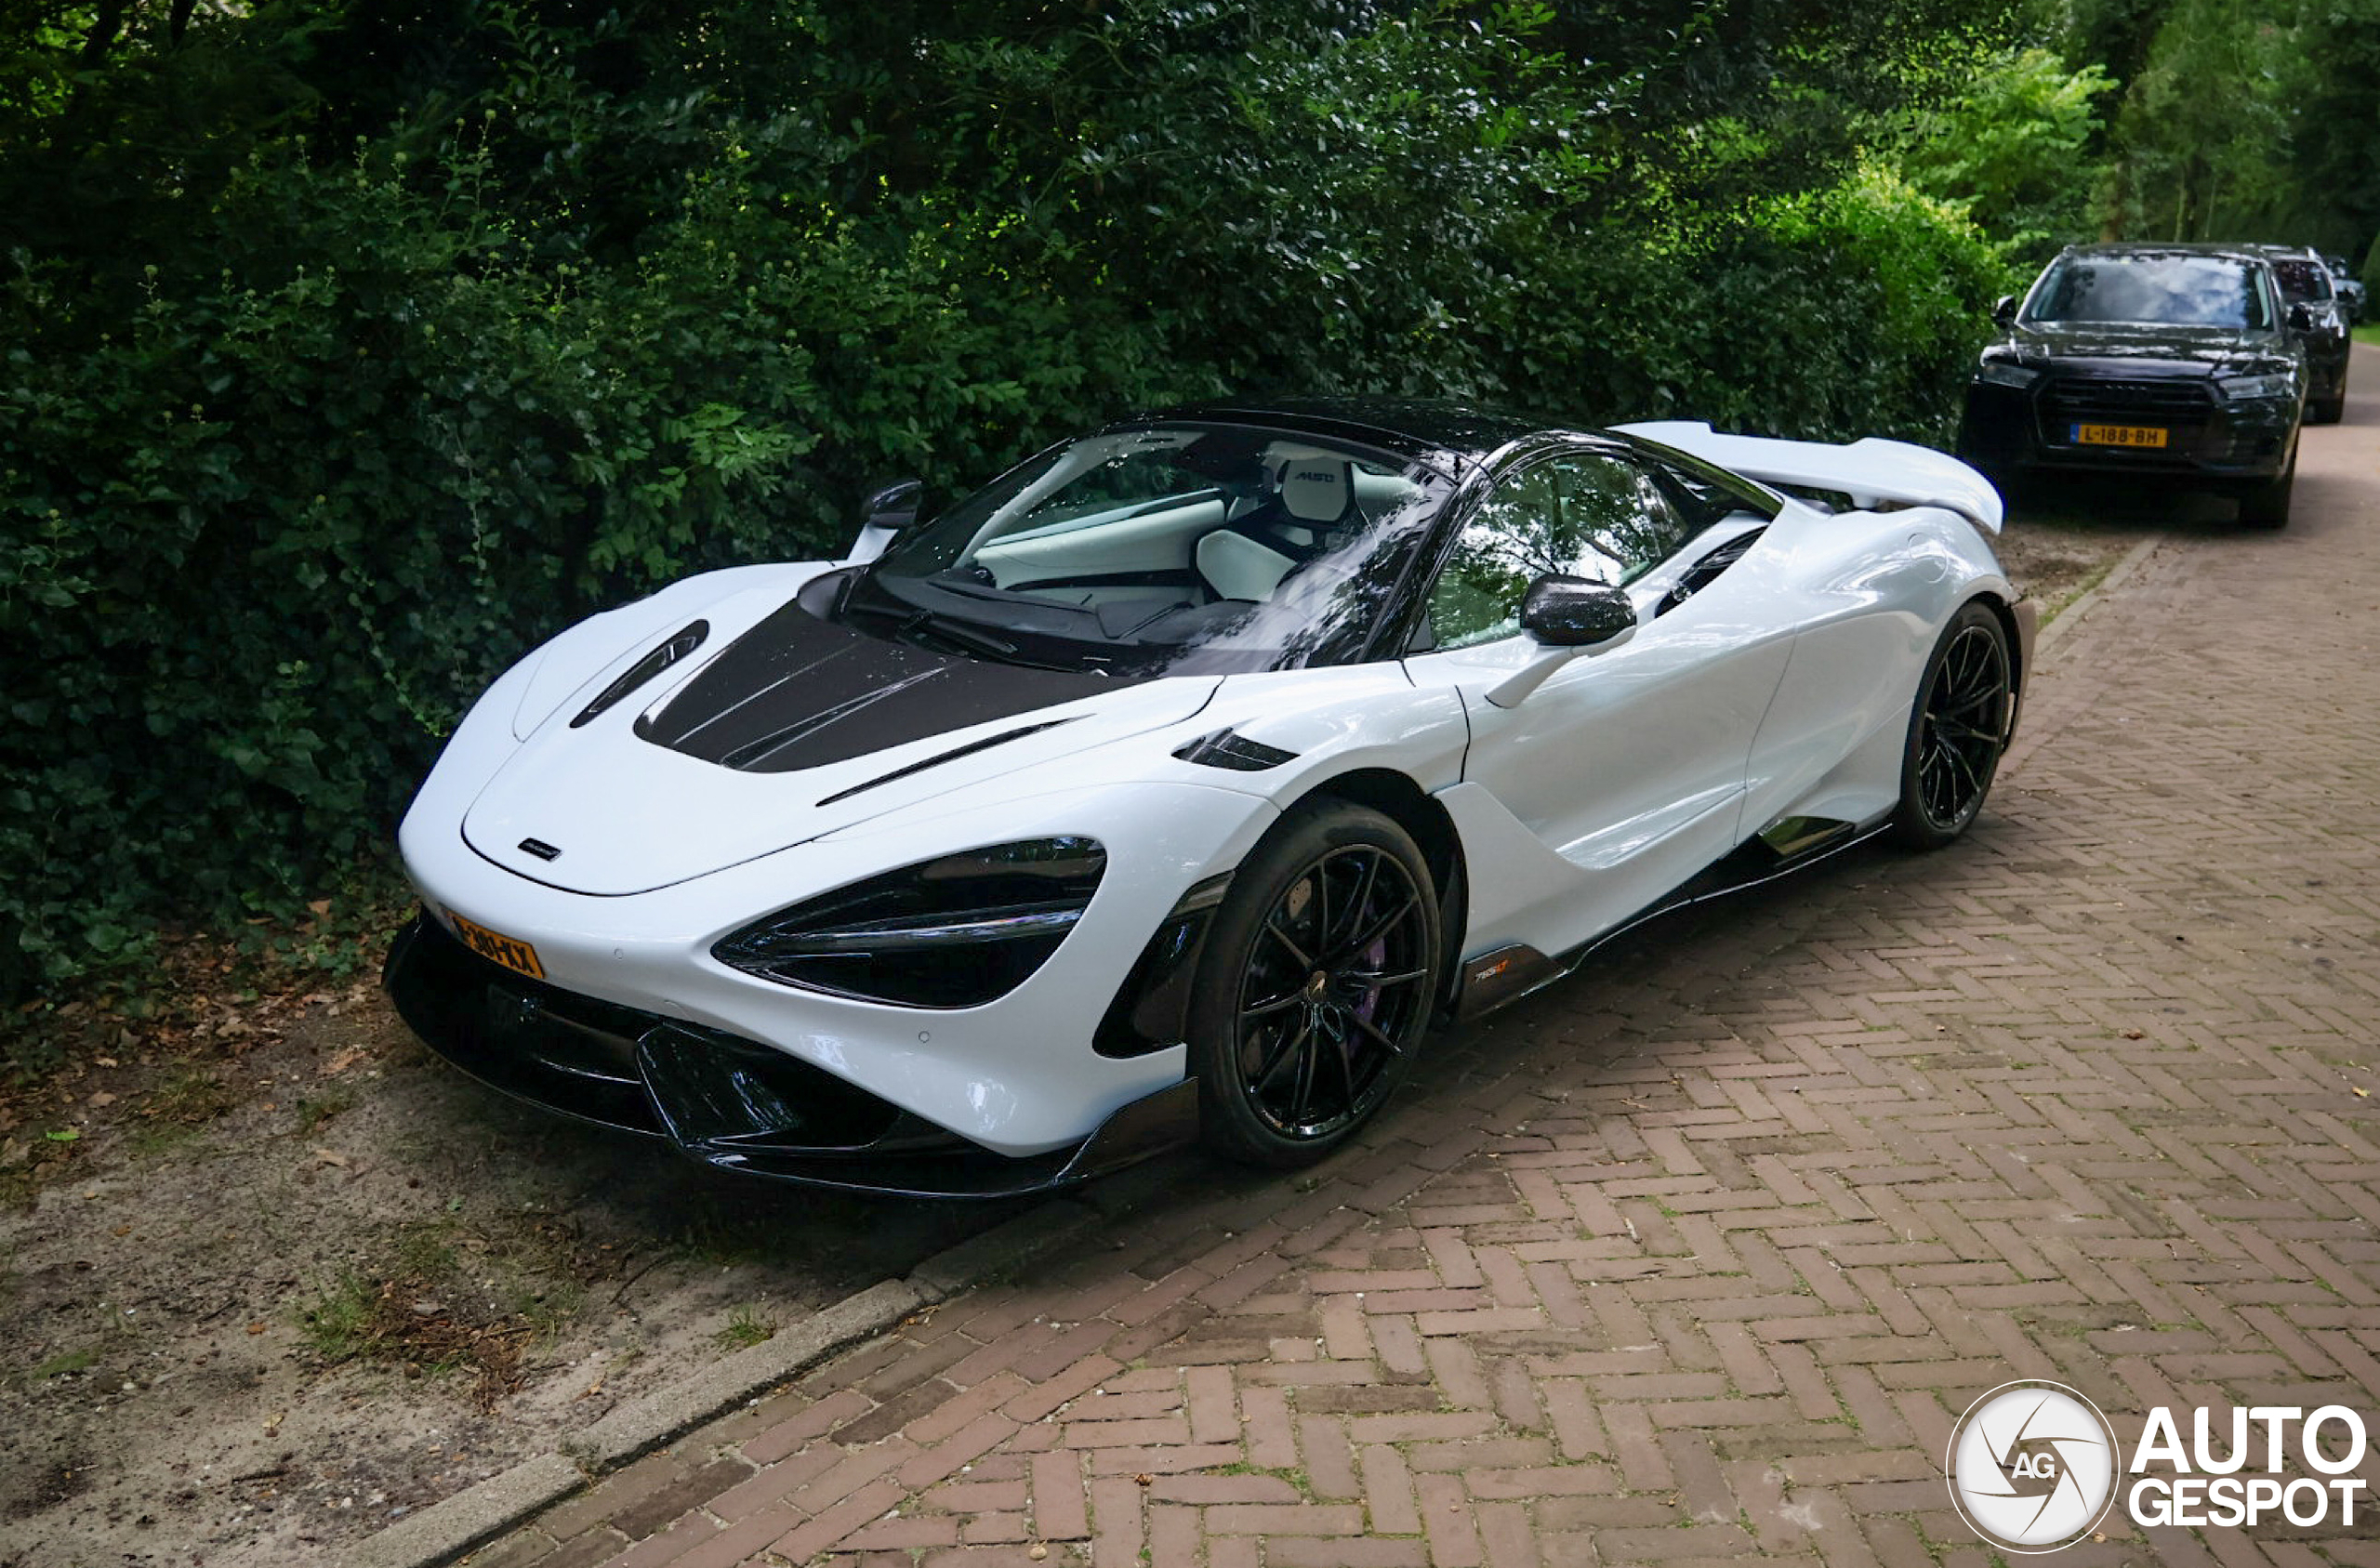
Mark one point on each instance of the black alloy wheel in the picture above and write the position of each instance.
(1316, 985)
(1957, 730)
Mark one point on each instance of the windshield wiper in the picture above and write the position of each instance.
(909, 622)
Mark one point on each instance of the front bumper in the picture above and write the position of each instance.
(2019, 428)
(722, 1100)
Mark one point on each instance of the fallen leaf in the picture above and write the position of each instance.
(342, 1061)
(1038, 1551)
(2364, 1094)
(330, 1156)
(107, 1061)
(123, 1229)
(319, 906)
(102, 1097)
(2134, 1035)
(273, 1422)
(62, 1135)
(256, 1327)
(1144, 1479)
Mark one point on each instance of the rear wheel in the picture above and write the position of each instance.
(1315, 985)
(1956, 730)
(2267, 506)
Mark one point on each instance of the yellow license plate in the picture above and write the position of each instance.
(498, 948)
(2118, 435)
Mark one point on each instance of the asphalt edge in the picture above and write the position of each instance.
(444, 1531)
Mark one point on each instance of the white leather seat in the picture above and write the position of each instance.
(1235, 566)
(1318, 489)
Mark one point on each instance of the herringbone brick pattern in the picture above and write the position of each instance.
(1700, 1255)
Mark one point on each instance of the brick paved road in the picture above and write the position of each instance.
(1699, 1255)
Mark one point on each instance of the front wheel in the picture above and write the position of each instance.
(2267, 506)
(1315, 985)
(1956, 730)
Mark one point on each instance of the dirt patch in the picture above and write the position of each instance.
(2061, 539)
(275, 1288)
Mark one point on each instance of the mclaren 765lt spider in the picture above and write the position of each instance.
(1177, 783)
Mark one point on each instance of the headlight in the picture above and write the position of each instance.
(955, 931)
(2006, 372)
(2283, 385)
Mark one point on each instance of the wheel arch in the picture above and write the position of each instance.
(1396, 797)
(2020, 644)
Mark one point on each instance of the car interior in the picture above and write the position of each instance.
(1233, 543)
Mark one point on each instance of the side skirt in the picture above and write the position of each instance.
(1505, 975)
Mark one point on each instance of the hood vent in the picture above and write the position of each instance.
(644, 669)
(794, 693)
(1229, 749)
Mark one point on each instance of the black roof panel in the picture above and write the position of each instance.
(1414, 426)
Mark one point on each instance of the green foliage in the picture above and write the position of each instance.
(351, 351)
(2238, 120)
(2010, 150)
(748, 1326)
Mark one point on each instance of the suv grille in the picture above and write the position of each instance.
(2169, 402)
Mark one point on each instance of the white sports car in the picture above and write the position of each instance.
(1176, 783)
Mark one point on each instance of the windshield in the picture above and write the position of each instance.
(1173, 549)
(2302, 278)
(2175, 290)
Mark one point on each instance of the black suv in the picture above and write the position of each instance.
(2161, 361)
(2306, 286)
(2349, 286)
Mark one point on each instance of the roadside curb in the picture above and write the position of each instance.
(2072, 614)
(446, 1530)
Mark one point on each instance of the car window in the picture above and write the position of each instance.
(2302, 278)
(1607, 520)
(2180, 290)
(1166, 549)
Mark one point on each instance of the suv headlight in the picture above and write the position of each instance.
(2282, 385)
(2006, 372)
(955, 931)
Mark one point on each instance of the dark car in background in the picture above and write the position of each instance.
(2162, 362)
(2306, 288)
(2351, 287)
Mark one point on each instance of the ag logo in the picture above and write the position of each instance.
(2032, 1467)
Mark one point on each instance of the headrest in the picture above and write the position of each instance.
(1318, 489)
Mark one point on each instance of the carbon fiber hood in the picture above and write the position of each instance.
(796, 728)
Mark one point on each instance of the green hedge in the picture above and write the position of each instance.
(296, 466)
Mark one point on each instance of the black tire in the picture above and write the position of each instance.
(2267, 505)
(1315, 985)
(2330, 411)
(1958, 727)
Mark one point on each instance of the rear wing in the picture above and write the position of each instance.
(1870, 471)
